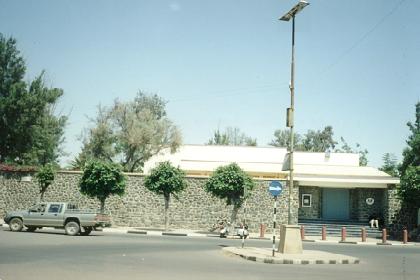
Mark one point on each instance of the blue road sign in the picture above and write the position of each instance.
(275, 188)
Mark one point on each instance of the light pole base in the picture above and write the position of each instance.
(290, 240)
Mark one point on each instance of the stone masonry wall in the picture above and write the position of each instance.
(195, 209)
(360, 210)
(393, 206)
(313, 212)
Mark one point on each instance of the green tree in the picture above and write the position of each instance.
(282, 139)
(229, 182)
(30, 133)
(45, 176)
(409, 189)
(311, 141)
(232, 136)
(317, 141)
(102, 179)
(390, 165)
(411, 154)
(130, 133)
(99, 141)
(166, 180)
(346, 148)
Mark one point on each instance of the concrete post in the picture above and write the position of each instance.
(363, 234)
(324, 233)
(262, 230)
(343, 234)
(302, 232)
(384, 236)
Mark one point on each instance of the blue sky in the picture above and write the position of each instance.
(227, 63)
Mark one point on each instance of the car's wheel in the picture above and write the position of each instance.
(16, 224)
(31, 229)
(72, 228)
(87, 231)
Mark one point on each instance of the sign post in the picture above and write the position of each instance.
(244, 222)
(275, 189)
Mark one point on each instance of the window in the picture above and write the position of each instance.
(306, 200)
(54, 208)
(41, 207)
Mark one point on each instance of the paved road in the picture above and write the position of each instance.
(52, 255)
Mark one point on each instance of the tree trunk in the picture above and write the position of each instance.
(102, 206)
(42, 192)
(167, 198)
(234, 215)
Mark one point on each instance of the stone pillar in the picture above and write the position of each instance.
(392, 203)
(290, 240)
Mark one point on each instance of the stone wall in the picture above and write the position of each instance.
(400, 216)
(393, 204)
(139, 207)
(360, 210)
(313, 212)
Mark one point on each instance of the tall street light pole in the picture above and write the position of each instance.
(290, 111)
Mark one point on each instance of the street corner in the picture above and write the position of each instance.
(263, 255)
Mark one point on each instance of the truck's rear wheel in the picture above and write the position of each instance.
(16, 224)
(72, 228)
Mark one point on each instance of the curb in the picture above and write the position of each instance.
(159, 233)
(348, 242)
(292, 260)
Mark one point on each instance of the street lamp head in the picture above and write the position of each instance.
(296, 9)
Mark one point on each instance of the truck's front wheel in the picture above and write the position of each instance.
(16, 224)
(72, 228)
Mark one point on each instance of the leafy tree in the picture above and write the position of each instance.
(232, 136)
(45, 176)
(229, 182)
(317, 141)
(101, 179)
(411, 154)
(282, 139)
(100, 140)
(30, 133)
(130, 133)
(345, 147)
(312, 141)
(390, 165)
(166, 180)
(219, 138)
(409, 189)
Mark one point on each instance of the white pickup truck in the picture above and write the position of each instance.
(57, 215)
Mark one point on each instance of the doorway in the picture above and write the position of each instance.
(335, 204)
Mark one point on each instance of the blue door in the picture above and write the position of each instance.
(335, 204)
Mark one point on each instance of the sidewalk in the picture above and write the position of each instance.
(198, 233)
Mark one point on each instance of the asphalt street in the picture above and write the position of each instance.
(53, 255)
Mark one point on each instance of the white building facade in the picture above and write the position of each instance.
(331, 186)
